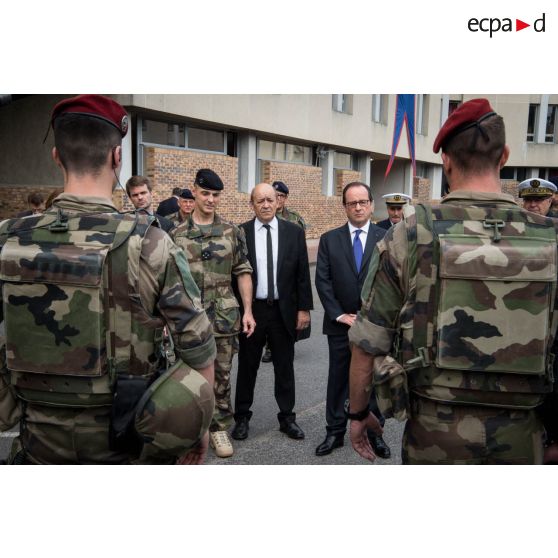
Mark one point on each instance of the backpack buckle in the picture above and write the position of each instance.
(497, 224)
(60, 224)
(420, 361)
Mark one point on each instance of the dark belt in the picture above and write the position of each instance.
(264, 301)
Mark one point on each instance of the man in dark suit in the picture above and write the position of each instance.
(343, 257)
(170, 205)
(394, 206)
(281, 307)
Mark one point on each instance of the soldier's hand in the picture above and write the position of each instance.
(196, 456)
(302, 319)
(359, 437)
(248, 324)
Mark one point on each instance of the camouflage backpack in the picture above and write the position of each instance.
(484, 302)
(59, 309)
(69, 332)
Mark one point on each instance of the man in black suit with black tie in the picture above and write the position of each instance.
(281, 307)
(343, 257)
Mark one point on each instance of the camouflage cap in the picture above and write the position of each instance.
(536, 188)
(174, 413)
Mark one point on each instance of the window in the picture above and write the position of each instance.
(422, 115)
(163, 133)
(342, 160)
(422, 170)
(547, 173)
(206, 140)
(514, 173)
(288, 152)
(532, 122)
(379, 109)
(342, 103)
(550, 131)
(452, 106)
(179, 135)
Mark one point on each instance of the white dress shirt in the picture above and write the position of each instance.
(261, 256)
(362, 239)
(363, 235)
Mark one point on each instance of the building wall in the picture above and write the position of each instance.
(320, 212)
(13, 198)
(169, 168)
(422, 190)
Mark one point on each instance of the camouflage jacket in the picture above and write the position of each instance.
(292, 216)
(475, 357)
(134, 281)
(176, 218)
(214, 257)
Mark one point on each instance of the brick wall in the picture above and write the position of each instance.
(344, 177)
(321, 213)
(422, 189)
(13, 199)
(510, 187)
(171, 168)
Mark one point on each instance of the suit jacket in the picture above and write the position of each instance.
(337, 281)
(385, 224)
(168, 206)
(293, 270)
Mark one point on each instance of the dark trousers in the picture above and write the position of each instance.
(269, 325)
(338, 385)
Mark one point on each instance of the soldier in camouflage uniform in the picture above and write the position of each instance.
(459, 314)
(216, 251)
(282, 212)
(185, 207)
(86, 292)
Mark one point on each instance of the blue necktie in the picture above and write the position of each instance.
(357, 250)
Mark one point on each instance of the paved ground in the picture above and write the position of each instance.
(265, 444)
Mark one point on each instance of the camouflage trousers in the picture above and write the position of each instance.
(227, 347)
(462, 434)
(51, 435)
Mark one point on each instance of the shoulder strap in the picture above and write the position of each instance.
(122, 285)
(426, 285)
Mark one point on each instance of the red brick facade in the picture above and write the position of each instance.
(344, 177)
(321, 213)
(422, 189)
(13, 199)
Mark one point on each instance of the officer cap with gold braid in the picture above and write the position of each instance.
(396, 199)
(536, 188)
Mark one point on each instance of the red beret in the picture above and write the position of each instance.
(96, 106)
(465, 116)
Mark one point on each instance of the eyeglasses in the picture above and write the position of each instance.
(363, 203)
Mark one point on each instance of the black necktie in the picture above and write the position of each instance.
(270, 286)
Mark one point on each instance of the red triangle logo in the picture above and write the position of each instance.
(519, 25)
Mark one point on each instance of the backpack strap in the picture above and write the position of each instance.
(122, 282)
(423, 252)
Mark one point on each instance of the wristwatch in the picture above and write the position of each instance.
(361, 415)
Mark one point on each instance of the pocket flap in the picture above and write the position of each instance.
(55, 263)
(510, 259)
